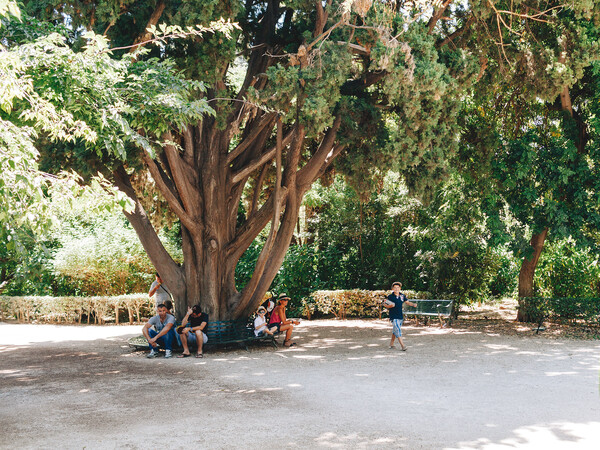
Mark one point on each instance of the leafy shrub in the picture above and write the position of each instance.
(586, 310)
(564, 270)
(298, 276)
(504, 282)
(105, 259)
(463, 275)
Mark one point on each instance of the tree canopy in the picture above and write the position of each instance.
(254, 113)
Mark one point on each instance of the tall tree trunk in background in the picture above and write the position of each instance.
(528, 271)
(537, 240)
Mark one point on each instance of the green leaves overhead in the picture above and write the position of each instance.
(117, 102)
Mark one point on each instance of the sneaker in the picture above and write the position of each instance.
(152, 354)
(391, 346)
(168, 353)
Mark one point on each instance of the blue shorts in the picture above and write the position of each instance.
(192, 337)
(397, 324)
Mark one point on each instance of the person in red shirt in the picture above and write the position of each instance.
(279, 319)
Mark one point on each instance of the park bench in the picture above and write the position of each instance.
(219, 333)
(431, 308)
(240, 332)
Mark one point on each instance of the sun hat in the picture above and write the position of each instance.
(283, 296)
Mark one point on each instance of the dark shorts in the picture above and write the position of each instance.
(274, 325)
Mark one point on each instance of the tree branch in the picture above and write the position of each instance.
(255, 223)
(181, 176)
(258, 188)
(157, 253)
(462, 30)
(248, 291)
(321, 19)
(354, 87)
(237, 151)
(169, 196)
(334, 153)
(308, 173)
(263, 159)
(188, 140)
(153, 20)
(437, 15)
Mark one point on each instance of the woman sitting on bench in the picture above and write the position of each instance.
(279, 319)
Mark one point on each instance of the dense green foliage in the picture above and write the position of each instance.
(467, 110)
(585, 309)
(567, 270)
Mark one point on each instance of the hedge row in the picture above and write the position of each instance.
(562, 308)
(340, 304)
(97, 310)
(134, 307)
(351, 303)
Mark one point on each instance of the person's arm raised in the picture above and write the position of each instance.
(153, 290)
(184, 321)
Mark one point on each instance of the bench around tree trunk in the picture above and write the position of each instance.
(219, 332)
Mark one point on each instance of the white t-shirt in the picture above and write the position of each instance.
(161, 295)
(260, 324)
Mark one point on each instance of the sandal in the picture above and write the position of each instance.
(199, 355)
(184, 355)
(288, 344)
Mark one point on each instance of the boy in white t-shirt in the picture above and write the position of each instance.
(260, 323)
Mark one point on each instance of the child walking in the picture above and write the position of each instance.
(394, 304)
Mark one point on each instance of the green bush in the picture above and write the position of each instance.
(350, 303)
(564, 270)
(505, 281)
(586, 310)
(97, 310)
(462, 273)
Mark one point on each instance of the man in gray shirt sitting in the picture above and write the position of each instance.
(164, 324)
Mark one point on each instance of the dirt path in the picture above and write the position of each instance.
(82, 387)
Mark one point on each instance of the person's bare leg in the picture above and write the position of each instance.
(184, 343)
(288, 328)
(402, 343)
(392, 341)
(200, 341)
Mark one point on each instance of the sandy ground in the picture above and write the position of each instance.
(82, 387)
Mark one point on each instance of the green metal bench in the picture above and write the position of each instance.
(431, 308)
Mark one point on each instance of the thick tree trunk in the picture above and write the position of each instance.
(203, 181)
(528, 271)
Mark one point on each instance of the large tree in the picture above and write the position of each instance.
(302, 88)
(527, 134)
(535, 144)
